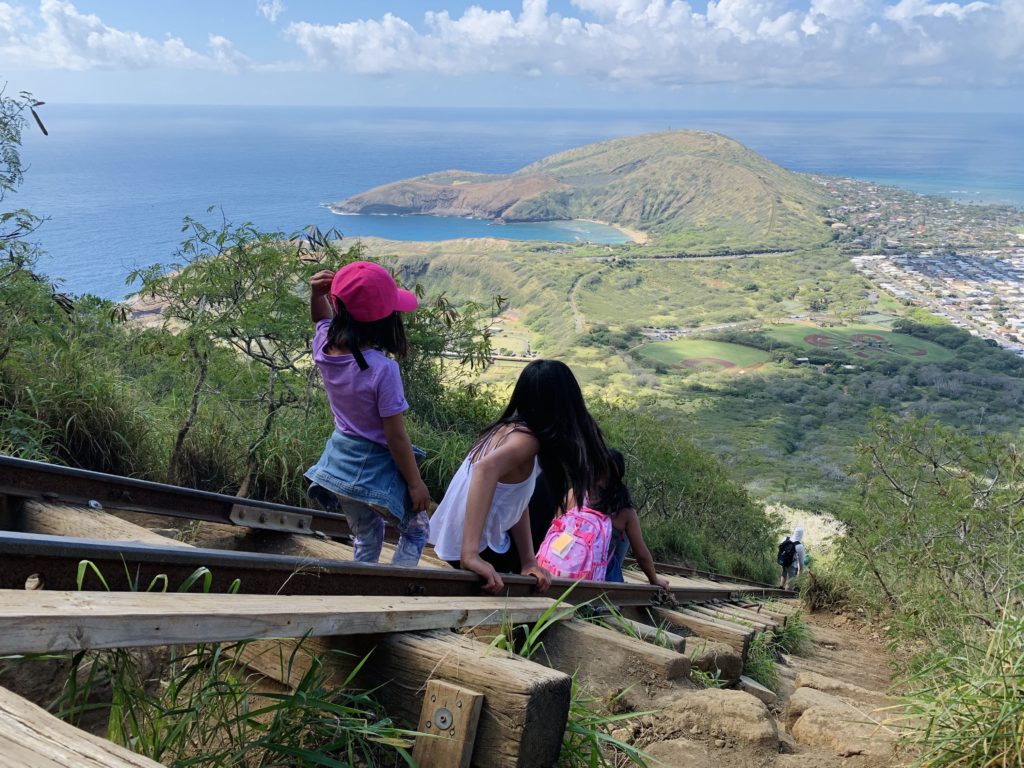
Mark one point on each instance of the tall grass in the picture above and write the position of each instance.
(207, 710)
(971, 704)
(760, 662)
(68, 407)
(794, 637)
(202, 708)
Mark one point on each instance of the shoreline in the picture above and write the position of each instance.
(638, 237)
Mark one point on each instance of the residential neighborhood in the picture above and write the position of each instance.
(961, 261)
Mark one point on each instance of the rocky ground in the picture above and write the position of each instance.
(831, 711)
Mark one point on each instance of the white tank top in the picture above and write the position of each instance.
(449, 519)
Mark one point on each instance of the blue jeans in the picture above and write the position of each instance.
(367, 526)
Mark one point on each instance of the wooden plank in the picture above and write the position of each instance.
(526, 705)
(655, 635)
(742, 613)
(609, 661)
(30, 737)
(449, 720)
(760, 610)
(737, 637)
(83, 522)
(713, 613)
(524, 702)
(45, 621)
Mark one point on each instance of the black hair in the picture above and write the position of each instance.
(387, 334)
(547, 400)
(613, 495)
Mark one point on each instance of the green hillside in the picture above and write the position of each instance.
(687, 189)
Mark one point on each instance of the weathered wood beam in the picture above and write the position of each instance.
(30, 737)
(526, 705)
(655, 635)
(82, 522)
(448, 722)
(607, 660)
(758, 625)
(742, 613)
(48, 621)
(761, 610)
(736, 636)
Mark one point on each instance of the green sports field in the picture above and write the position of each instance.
(860, 341)
(701, 353)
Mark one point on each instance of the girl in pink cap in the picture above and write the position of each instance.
(368, 469)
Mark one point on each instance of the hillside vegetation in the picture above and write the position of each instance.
(690, 189)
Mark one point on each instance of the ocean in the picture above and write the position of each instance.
(114, 182)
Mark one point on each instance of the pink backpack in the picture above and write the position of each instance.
(576, 545)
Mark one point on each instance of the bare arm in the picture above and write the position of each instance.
(401, 451)
(523, 538)
(503, 464)
(319, 306)
(640, 550)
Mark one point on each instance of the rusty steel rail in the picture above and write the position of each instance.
(52, 483)
(25, 479)
(682, 570)
(54, 562)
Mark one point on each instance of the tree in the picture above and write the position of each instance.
(246, 290)
(27, 300)
(17, 224)
(939, 531)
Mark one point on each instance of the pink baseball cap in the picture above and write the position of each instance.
(369, 293)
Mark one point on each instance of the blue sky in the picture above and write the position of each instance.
(888, 55)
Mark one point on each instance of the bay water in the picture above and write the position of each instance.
(114, 182)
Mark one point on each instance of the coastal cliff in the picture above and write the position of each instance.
(663, 184)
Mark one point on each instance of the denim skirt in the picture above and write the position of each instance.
(363, 471)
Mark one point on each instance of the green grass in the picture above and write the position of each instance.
(694, 292)
(868, 342)
(205, 709)
(969, 706)
(760, 662)
(795, 637)
(678, 352)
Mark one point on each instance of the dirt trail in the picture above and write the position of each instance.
(828, 712)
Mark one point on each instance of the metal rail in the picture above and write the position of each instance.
(45, 482)
(682, 570)
(53, 483)
(54, 562)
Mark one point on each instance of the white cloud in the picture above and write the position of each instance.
(64, 38)
(748, 42)
(831, 43)
(11, 18)
(270, 9)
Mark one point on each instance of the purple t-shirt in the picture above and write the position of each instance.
(359, 399)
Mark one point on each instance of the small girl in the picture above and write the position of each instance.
(616, 502)
(368, 468)
(480, 520)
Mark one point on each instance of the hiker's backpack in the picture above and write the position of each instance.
(576, 545)
(787, 553)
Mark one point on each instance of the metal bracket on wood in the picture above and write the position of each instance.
(271, 520)
(448, 719)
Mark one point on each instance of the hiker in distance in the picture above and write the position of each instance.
(791, 557)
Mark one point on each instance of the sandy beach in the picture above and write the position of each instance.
(635, 235)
